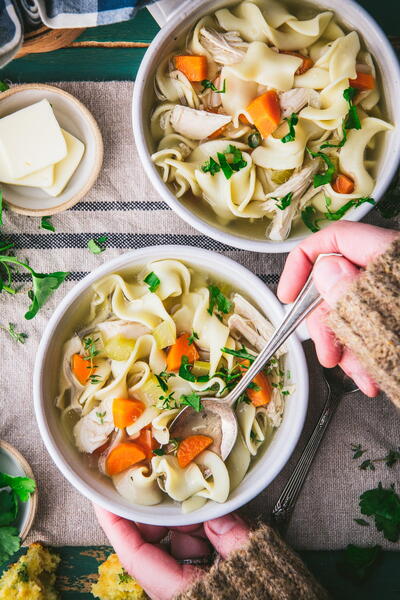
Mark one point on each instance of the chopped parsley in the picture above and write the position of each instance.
(352, 120)
(340, 144)
(18, 337)
(340, 212)
(23, 574)
(185, 372)
(45, 223)
(230, 161)
(193, 400)
(284, 202)
(218, 299)
(152, 281)
(242, 353)
(192, 337)
(169, 402)
(97, 246)
(100, 416)
(159, 452)
(308, 216)
(322, 178)
(207, 84)
(291, 121)
(254, 139)
(124, 577)
(162, 379)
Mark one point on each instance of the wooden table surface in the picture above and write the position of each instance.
(114, 52)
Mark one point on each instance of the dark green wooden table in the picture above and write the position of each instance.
(114, 52)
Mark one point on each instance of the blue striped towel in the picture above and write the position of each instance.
(19, 16)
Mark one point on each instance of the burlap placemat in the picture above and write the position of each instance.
(124, 205)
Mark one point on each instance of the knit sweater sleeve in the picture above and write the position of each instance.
(265, 569)
(367, 320)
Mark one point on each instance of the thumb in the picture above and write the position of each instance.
(332, 275)
(227, 533)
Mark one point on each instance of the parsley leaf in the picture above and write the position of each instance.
(392, 458)
(284, 202)
(45, 223)
(185, 372)
(192, 337)
(193, 400)
(367, 464)
(152, 281)
(340, 144)
(352, 120)
(18, 337)
(356, 562)
(218, 299)
(96, 246)
(159, 451)
(383, 504)
(207, 84)
(291, 121)
(322, 178)
(22, 486)
(8, 507)
(211, 166)
(225, 166)
(357, 449)
(242, 353)
(9, 542)
(308, 215)
(340, 212)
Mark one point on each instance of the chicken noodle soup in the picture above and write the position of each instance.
(268, 115)
(151, 345)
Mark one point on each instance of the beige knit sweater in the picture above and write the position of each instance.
(366, 319)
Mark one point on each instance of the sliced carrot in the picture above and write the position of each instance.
(191, 447)
(265, 112)
(81, 368)
(178, 350)
(146, 441)
(218, 133)
(194, 67)
(343, 184)
(363, 82)
(126, 411)
(243, 119)
(124, 456)
(261, 394)
(307, 62)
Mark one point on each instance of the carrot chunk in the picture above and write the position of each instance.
(178, 350)
(191, 447)
(81, 368)
(343, 184)
(124, 456)
(307, 62)
(217, 133)
(147, 442)
(194, 67)
(126, 411)
(261, 393)
(243, 119)
(363, 82)
(265, 112)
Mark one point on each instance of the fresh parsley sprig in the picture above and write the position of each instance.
(13, 333)
(12, 489)
(43, 284)
(383, 505)
(207, 84)
(291, 121)
(218, 299)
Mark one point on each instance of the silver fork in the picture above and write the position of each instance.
(338, 385)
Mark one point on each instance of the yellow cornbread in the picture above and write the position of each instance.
(115, 584)
(32, 577)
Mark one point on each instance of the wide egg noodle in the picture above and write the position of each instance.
(138, 485)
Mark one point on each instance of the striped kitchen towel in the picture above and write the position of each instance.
(17, 16)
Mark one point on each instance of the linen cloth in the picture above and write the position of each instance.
(124, 205)
(19, 15)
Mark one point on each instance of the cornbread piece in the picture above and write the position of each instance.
(32, 577)
(114, 582)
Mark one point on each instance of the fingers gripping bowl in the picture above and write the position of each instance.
(269, 450)
(253, 145)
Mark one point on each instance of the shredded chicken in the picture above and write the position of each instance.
(92, 430)
(249, 323)
(282, 221)
(294, 100)
(130, 330)
(225, 48)
(196, 124)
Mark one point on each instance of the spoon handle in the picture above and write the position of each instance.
(308, 299)
(282, 511)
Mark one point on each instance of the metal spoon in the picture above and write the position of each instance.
(338, 385)
(217, 418)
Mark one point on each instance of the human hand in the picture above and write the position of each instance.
(359, 244)
(158, 571)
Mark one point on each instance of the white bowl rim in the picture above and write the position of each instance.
(185, 213)
(191, 254)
